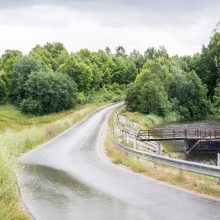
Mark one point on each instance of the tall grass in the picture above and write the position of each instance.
(14, 142)
(150, 120)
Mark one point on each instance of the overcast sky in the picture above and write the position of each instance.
(182, 26)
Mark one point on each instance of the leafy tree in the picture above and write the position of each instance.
(43, 55)
(153, 53)
(31, 106)
(132, 99)
(208, 68)
(3, 91)
(48, 92)
(58, 52)
(123, 71)
(55, 49)
(147, 94)
(162, 52)
(148, 97)
(137, 58)
(79, 72)
(19, 75)
(150, 53)
(159, 68)
(154, 98)
(216, 100)
(9, 58)
(108, 51)
(120, 51)
(189, 96)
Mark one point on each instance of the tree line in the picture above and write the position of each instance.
(49, 79)
(187, 85)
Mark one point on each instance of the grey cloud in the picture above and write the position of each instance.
(95, 5)
(119, 13)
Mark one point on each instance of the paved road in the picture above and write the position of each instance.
(69, 178)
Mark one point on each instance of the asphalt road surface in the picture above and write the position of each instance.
(69, 178)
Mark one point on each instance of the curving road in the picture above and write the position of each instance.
(69, 178)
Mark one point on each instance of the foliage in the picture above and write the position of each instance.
(3, 91)
(208, 67)
(148, 97)
(137, 58)
(14, 143)
(58, 53)
(79, 72)
(48, 92)
(123, 71)
(189, 96)
(162, 82)
(19, 75)
(157, 82)
(8, 59)
(31, 106)
(216, 100)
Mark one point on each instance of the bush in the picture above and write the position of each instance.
(3, 91)
(216, 100)
(30, 106)
(190, 96)
(149, 97)
(19, 75)
(48, 92)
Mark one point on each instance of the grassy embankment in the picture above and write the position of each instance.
(187, 180)
(20, 133)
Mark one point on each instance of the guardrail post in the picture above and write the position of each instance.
(159, 148)
(124, 134)
(135, 143)
(127, 138)
(218, 163)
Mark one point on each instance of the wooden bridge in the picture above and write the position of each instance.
(195, 139)
(179, 134)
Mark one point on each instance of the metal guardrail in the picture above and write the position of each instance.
(200, 168)
(195, 167)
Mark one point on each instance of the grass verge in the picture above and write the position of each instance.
(26, 133)
(191, 181)
(150, 120)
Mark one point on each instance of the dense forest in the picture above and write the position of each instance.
(49, 79)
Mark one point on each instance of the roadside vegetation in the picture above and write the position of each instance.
(187, 86)
(47, 90)
(194, 182)
(25, 133)
(148, 121)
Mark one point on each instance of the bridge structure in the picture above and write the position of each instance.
(195, 139)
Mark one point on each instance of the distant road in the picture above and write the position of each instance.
(68, 178)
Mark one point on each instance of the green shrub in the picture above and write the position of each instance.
(30, 106)
(19, 75)
(3, 91)
(49, 92)
(148, 97)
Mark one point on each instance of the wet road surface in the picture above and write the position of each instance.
(68, 178)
